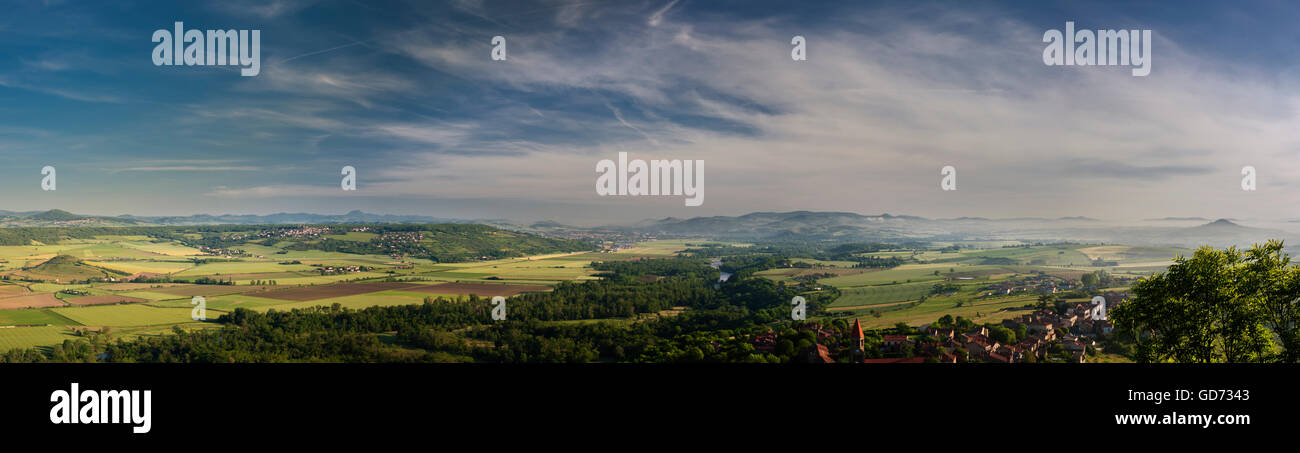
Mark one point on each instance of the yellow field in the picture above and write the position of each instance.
(133, 267)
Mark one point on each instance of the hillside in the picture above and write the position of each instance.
(60, 218)
(63, 268)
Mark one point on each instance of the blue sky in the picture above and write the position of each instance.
(406, 92)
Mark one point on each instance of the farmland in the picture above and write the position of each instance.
(906, 293)
(134, 286)
(142, 281)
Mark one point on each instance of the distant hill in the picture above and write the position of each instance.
(64, 268)
(1179, 219)
(61, 218)
(1222, 225)
(355, 216)
(902, 229)
(797, 224)
(55, 215)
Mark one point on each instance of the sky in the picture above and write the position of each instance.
(891, 92)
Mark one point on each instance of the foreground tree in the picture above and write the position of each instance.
(1223, 305)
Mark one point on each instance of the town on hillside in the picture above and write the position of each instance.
(1069, 333)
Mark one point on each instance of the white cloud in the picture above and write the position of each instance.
(864, 124)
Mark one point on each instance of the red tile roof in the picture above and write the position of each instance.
(896, 360)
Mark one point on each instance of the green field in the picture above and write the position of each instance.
(31, 337)
(874, 295)
(30, 316)
(241, 267)
(126, 315)
(892, 294)
(901, 274)
(991, 310)
(137, 266)
(881, 298)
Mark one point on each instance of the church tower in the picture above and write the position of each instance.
(859, 345)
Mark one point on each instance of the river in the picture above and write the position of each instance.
(716, 263)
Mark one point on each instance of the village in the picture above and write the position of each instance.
(1069, 334)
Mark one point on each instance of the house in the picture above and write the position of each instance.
(816, 353)
(979, 346)
(895, 342)
(897, 360)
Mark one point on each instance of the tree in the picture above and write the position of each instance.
(946, 321)
(1279, 289)
(961, 353)
(1089, 280)
(1208, 308)
(1002, 334)
(784, 348)
(1046, 300)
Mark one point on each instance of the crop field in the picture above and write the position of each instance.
(881, 298)
(383, 298)
(991, 310)
(872, 295)
(124, 315)
(208, 290)
(241, 267)
(32, 301)
(160, 248)
(103, 300)
(30, 317)
(31, 337)
(138, 266)
(227, 302)
(12, 290)
(901, 274)
(97, 272)
(480, 289)
(308, 293)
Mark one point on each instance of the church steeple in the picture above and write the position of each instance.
(859, 345)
